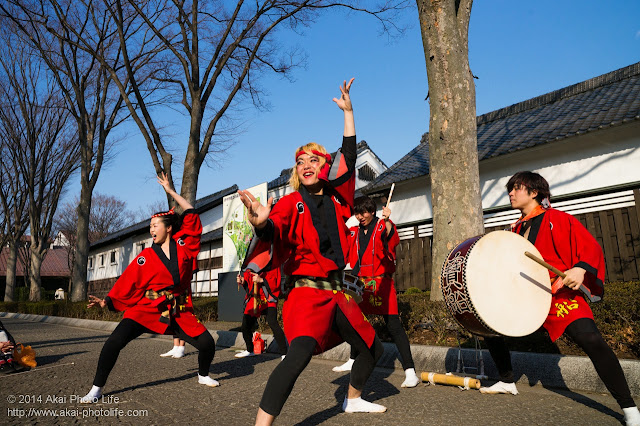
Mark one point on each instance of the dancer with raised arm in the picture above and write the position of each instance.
(372, 257)
(153, 292)
(307, 230)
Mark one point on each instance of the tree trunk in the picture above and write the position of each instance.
(10, 287)
(453, 151)
(36, 280)
(79, 270)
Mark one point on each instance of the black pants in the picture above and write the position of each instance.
(301, 350)
(129, 329)
(586, 335)
(249, 322)
(399, 338)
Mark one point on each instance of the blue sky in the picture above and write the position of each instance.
(518, 50)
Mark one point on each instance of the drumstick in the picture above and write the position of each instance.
(450, 379)
(561, 274)
(393, 185)
(255, 297)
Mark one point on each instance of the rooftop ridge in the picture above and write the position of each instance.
(565, 92)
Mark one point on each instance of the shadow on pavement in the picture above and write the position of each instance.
(376, 388)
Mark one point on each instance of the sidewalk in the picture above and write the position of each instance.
(550, 370)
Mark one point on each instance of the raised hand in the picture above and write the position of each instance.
(344, 103)
(256, 212)
(96, 301)
(164, 181)
(386, 213)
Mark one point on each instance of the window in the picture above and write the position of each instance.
(101, 262)
(112, 257)
(141, 247)
(90, 263)
(366, 173)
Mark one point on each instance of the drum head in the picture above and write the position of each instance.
(510, 292)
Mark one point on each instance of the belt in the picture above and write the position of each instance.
(386, 275)
(178, 303)
(332, 282)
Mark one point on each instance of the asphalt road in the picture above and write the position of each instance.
(145, 388)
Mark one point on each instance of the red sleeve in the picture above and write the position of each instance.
(131, 285)
(190, 232)
(587, 254)
(392, 242)
(342, 176)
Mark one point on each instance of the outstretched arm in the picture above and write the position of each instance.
(164, 181)
(344, 103)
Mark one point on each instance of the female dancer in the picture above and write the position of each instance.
(308, 230)
(154, 293)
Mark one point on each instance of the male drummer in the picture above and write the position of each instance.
(567, 245)
(372, 255)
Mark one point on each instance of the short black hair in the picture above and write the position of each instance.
(363, 205)
(533, 182)
(170, 219)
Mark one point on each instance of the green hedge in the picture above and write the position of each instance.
(427, 322)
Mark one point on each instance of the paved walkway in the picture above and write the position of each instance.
(145, 388)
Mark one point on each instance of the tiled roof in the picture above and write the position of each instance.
(601, 102)
(202, 204)
(286, 173)
(210, 236)
(55, 263)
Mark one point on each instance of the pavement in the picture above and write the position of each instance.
(145, 388)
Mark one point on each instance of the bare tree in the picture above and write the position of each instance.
(42, 140)
(453, 150)
(212, 54)
(108, 214)
(13, 196)
(87, 88)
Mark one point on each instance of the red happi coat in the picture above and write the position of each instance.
(376, 268)
(151, 270)
(295, 242)
(268, 292)
(565, 243)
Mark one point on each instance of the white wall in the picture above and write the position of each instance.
(597, 160)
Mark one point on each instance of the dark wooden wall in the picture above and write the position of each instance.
(617, 231)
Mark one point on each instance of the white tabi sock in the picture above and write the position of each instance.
(178, 351)
(344, 367)
(206, 380)
(170, 353)
(359, 405)
(631, 416)
(411, 379)
(93, 396)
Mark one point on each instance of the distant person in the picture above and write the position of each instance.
(372, 255)
(7, 344)
(154, 293)
(567, 245)
(265, 302)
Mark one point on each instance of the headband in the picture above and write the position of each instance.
(327, 157)
(163, 214)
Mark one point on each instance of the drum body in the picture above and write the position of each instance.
(491, 288)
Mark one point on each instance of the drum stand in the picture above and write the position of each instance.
(478, 370)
